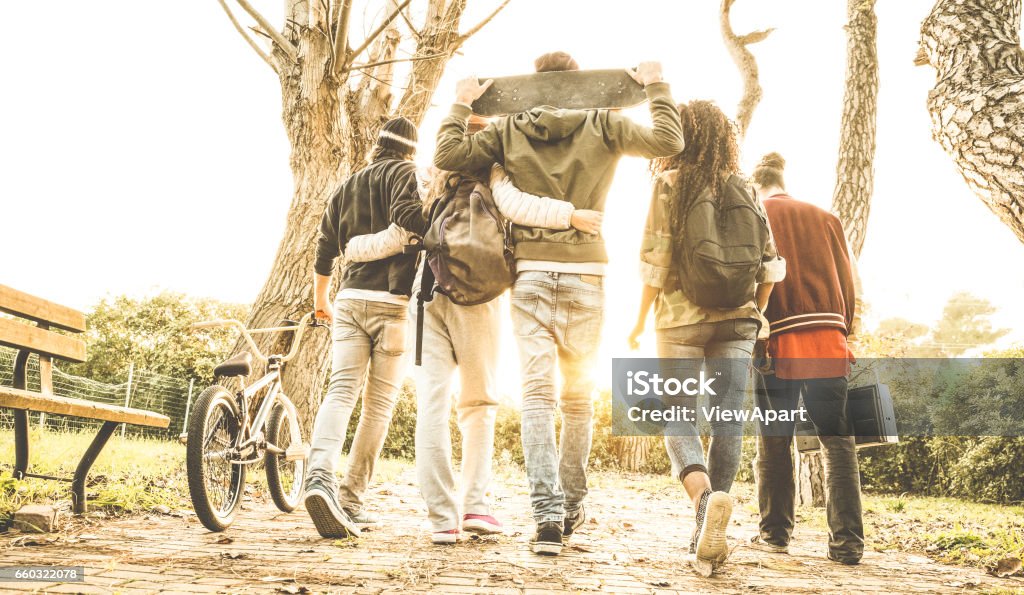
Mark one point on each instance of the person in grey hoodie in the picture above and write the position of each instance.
(558, 297)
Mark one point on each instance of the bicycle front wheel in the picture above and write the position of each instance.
(215, 483)
(284, 477)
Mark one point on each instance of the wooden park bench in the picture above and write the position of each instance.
(39, 339)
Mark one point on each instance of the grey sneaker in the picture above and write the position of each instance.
(758, 543)
(574, 522)
(328, 516)
(362, 517)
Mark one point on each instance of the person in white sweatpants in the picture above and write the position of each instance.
(464, 338)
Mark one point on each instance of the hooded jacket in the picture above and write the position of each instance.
(564, 154)
(369, 201)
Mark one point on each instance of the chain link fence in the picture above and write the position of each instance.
(142, 390)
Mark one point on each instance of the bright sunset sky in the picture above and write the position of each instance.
(142, 146)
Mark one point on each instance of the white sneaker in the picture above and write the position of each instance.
(445, 537)
(711, 547)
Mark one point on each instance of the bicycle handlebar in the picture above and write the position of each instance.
(298, 329)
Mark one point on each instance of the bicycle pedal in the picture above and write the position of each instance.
(298, 452)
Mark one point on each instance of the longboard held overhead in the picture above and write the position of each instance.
(571, 89)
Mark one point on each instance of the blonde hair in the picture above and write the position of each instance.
(768, 172)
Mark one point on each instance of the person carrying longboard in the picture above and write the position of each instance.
(558, 295)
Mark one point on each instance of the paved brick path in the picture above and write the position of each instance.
(634, 544)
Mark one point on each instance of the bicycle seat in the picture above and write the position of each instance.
(239, 365)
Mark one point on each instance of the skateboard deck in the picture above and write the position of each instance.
(571, 89)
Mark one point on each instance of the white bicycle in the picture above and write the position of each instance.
(222, 439)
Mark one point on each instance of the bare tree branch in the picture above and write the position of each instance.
(395, 60)
(756, 36)
(241, 31)
(341, 34)
(408, 23)
(387, 22)
(476, 28)
(746, 63)
(285, 45)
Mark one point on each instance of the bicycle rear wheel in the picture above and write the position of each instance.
(215, 483)
(284, 478)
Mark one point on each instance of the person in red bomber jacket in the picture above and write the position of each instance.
(811, 313)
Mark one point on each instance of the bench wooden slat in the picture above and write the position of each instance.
(18, 335)
(29, 306)
(14, 398)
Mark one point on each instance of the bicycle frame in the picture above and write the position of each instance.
(252, 434)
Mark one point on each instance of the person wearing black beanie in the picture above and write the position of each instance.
(369, 326)
(397, 136)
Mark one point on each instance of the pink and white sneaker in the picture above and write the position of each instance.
(482, 524)
(445, 537)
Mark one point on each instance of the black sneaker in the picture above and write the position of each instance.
(328, 516)
(759, 543)
(548, 540)
(572, 523)
(847, 560)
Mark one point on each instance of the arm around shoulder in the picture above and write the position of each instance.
(458, 151)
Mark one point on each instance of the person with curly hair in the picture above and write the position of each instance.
(719, 340)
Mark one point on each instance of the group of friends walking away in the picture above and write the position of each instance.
(548, 172)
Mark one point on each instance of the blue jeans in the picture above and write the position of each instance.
(369, 341)
(557, 319)
(727, 345)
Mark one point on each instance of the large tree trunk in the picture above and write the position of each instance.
(634, 451)
(855, 172)
(331, 122)
(810, 479)
(977, 105)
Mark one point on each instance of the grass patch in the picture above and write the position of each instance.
(948, 530)
(130, 475)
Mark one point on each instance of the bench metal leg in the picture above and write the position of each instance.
(20, 443)
(78, 483)
(20, 416)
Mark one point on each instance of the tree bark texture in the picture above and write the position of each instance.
(977, 104)
(634, 451)
(332, 116)
(810, 479)
(855, 171)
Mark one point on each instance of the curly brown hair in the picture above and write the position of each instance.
(711, 154)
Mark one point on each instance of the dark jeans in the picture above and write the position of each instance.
(825, 401)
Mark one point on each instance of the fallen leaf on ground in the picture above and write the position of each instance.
(224, 539)
(31, 540)
(1007, 567)
(774, 565)
(233, 555)
(293, 589)
(277, 579)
